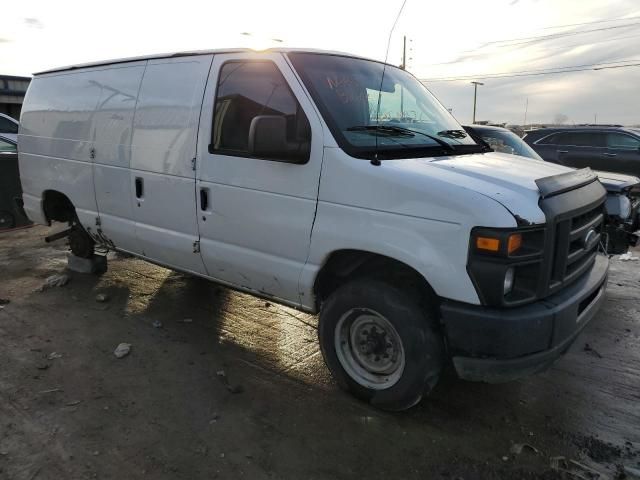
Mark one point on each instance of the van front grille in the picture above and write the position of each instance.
(576, 244)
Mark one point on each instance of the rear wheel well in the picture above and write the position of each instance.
(57, 206)
(346, 265)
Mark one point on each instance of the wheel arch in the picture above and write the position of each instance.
(341, 266)
(57, 206)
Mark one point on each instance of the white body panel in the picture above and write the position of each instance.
(112, 146)
(55, 141)
(403, 209)
(163, 148)
(269, 227)
(261, 212)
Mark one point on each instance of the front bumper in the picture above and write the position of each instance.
(497, 345)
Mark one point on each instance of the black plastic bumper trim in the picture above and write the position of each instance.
(498, 345)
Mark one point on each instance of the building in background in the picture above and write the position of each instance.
(12, 91)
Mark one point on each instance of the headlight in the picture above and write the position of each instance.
(505, 264)
(625, 207)
(499, 243)
(618, 206)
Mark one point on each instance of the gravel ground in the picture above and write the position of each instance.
(219, 384)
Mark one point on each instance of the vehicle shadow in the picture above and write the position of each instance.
(283, 342)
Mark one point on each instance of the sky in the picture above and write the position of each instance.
(457, 38)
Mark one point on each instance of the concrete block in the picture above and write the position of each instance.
(95, 264)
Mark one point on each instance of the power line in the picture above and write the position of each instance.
(570, 45)
(553, 36)
(619, 19)
(618, 66)
(604, 40)
(529, 74)
(497, 75)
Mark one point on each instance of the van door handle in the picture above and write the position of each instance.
(610, 154)
(139, 187)
(204, 199)
(563, 151)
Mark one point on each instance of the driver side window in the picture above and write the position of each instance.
(249, 89)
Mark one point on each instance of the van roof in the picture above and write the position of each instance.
(192, 53)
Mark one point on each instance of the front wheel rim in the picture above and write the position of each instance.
(369, 348)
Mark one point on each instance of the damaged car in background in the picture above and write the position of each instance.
(622, 206)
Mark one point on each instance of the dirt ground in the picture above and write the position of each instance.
(165, 412)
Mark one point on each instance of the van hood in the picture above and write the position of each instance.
(508, 179)
(506, 170)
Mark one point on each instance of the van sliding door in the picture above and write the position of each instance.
(163, 151)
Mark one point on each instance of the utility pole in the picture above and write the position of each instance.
(526, 108)
(475, 97)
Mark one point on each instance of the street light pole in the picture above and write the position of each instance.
(475, 97)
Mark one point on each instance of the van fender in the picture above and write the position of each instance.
(436, 249)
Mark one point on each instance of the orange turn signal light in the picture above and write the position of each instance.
(515, 242)
(488, 244)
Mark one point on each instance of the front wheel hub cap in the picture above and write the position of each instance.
(369, 348)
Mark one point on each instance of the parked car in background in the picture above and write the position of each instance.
(11, 213)
(502, 140)
(606, 148)
(623, 191)
(9, 127)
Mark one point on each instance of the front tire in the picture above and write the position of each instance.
(380, 343)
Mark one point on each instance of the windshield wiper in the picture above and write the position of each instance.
(453, 133)
(402, 131)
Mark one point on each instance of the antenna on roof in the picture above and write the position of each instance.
(375, 160)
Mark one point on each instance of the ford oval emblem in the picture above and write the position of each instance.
(589, 238)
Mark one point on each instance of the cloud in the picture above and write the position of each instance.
(33, 22)
(579, 95)
(610, 94)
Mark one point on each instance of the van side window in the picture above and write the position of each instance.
(247, 89)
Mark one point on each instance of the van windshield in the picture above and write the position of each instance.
(400, 120)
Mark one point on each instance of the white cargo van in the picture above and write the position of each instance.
(330, 183)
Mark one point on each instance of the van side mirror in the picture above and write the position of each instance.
(268, 136)
(268, 139)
